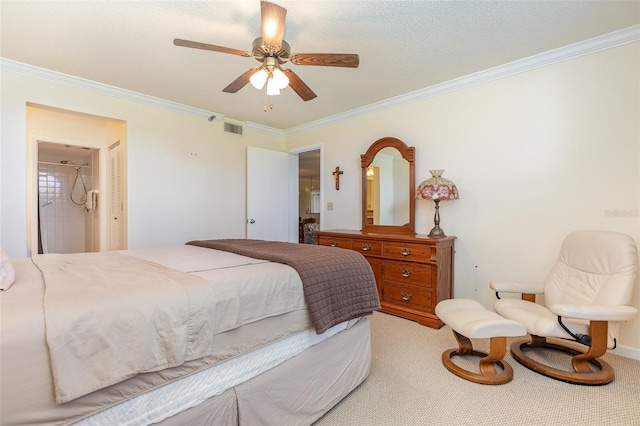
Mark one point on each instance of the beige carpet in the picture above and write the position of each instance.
(409, 386)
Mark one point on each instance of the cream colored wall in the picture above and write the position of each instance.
(186, 177)
(535, 156)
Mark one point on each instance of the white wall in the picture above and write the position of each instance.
(534, 155)
(186, 177)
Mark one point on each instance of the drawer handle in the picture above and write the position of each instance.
(405, 251)
(406, 296)
(406, 273)
(366, 247)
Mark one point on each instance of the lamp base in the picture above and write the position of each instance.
(436, 232)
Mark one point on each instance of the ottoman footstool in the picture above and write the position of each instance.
(470, 320)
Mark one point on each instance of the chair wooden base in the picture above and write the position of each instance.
(588, 368)
(489, 374)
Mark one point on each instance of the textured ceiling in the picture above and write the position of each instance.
(403, 45)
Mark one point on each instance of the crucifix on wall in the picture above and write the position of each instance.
(336, 174)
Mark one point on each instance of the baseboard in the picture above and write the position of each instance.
(627, 352)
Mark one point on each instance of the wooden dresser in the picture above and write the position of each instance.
(413, 273)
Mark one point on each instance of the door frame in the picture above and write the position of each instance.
(307, 148)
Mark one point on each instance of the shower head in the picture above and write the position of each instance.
(48, 203)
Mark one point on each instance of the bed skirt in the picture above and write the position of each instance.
(297, 392)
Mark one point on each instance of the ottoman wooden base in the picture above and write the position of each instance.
(489, 374)
(469, 319)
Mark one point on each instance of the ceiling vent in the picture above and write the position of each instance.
(236, 129)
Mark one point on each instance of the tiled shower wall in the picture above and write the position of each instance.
(62, 223)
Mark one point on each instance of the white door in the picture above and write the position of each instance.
(272, 195)
(115, 200)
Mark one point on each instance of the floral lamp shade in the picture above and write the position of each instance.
(437, 188)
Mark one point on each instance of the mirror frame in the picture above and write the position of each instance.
(408, 153)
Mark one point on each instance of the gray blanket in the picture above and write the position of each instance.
(338, 284)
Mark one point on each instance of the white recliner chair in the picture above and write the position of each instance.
(586, 297)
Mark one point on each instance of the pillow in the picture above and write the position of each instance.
(7, 273)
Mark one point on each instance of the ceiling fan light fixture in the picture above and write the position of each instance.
(272, 51)
(259, 79)
(272, 88)
(280, 80)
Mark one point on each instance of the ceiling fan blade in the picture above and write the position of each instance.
(326, 59)
(273, 17)
(241, 81)
(213, 47)
(299, 86)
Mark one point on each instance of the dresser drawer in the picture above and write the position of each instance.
(406, 295)
(408, 251)
(330, 241)
(367, 247)
(413, 273)
(407, 272)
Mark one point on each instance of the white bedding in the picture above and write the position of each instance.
(245, 289)
(26, 394)
(263, 289)
(103, 311)
(110, 316)
(187, 258)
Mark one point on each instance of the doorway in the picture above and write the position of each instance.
(309, 199)
(70, 181)
(67, 198)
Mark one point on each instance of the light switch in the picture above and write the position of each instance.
(330, 206)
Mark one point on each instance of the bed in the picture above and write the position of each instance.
(221, 332)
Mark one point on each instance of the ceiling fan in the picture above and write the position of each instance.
(272, 51)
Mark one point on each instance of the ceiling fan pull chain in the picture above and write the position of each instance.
(265, 100)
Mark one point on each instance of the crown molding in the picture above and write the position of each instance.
(586, 47)
(104, 89)
(582, 48)
(264, 129)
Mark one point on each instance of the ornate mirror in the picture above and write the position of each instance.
(388, 187)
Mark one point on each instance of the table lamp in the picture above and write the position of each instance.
(437, 188)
